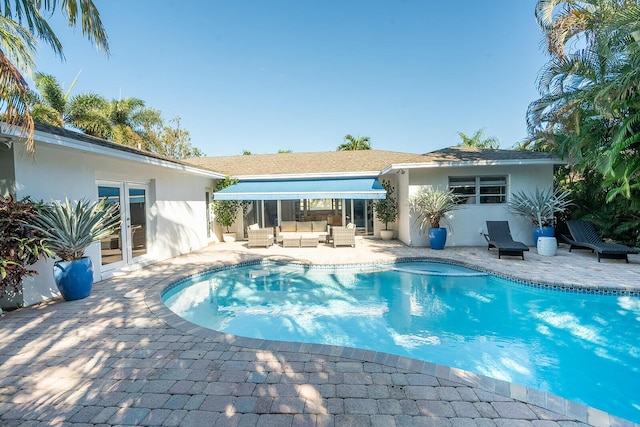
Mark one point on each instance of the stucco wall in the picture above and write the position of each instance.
(176, 219)
(466, 225)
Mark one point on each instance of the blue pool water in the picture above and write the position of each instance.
(583, 347)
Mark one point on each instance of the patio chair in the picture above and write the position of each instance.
(585, 236)
(260, 237)
(343, 236)
(499, 236)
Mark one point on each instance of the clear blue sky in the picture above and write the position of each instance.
(282, 74)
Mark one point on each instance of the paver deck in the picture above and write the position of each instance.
(120, 357)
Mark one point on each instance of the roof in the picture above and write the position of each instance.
(359, 162)
(59, 136)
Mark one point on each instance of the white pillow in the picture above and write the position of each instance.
(351, 225)
(254, 226)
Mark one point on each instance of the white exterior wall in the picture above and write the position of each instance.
(466, 225)
(176, 216)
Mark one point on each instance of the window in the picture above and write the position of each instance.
(479, 189)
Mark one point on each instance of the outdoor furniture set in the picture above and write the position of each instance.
(301, 234)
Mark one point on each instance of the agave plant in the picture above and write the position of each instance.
(69, 228)
(430, 205)
(540, 207)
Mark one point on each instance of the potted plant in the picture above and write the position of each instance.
(20, 247)
(540, 208)
(430, 206)
(386, 210)
(68, 229)
(226, 211)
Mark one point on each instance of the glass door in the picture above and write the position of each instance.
(129, 241)
(137, 220)
(112, 247)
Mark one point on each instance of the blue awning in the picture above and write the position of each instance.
(347, 188)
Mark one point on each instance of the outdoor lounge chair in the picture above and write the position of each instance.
(499, 236)
(585, 236)
(260, 237)
(344, 235)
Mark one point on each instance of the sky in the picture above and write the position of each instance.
(299, 75)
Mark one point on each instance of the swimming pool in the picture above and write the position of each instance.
(580, 346)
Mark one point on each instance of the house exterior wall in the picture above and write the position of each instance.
(466, 225)
(176, 216)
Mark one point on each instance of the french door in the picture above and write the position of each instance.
(129, 242)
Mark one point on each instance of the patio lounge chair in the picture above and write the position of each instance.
(585, 236)
(344, 235)
(499, 236)
(260, 237)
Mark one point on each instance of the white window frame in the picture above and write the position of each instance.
(477, 183)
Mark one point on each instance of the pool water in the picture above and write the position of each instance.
(583, 347)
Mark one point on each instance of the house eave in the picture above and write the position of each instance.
(61, 141)
(428, 165)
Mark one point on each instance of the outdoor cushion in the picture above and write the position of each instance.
(351, 225)
(254, 226)
(319, 226)
(305, 227)
(288, 226)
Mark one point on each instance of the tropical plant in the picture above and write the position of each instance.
(387, 209)
(68, 228)
(431, 205)
(226, 211)
(52, 105)
(357, 143)
(540, 207)
(478, 140)
(590, 105)
(20, 246)
(22, 23)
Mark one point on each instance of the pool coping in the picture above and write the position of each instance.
(542, 399)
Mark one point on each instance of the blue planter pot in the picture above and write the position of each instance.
(437, 238)
(74, 278)
(544, 231)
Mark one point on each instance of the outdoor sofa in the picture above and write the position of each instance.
(585, 236)
(498, 236)
(292, 230)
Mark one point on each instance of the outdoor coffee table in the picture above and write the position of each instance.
(291, 241)
(309, 240)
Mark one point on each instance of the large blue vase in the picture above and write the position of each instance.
(74, 278)
(546, 231)
(437, 238)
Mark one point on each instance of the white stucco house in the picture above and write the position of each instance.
(166, 204)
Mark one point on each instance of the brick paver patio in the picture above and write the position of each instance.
(120, 357)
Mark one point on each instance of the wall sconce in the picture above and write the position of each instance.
(5, 142)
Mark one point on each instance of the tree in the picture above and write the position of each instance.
(21, 25)
(478, 140)
(52, 105)
(351, 143)
(589, 109)
(174, 141)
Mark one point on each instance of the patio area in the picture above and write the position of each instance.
(120, 357)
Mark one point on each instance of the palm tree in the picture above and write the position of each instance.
(351, 143)
(21, 25)
(478, 140)
(51, 105)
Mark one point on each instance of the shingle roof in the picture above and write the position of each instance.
(303, 163)
(329, 162)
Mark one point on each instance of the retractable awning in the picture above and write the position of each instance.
(347, 188)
